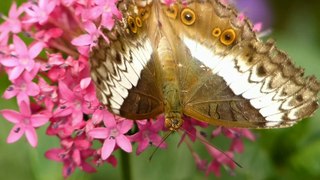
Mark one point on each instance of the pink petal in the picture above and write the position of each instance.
(10, 92)
(24, 109)
(23, 97)
(29, 76)
(35, 49)
(112, 160)
(65, 92)
(125, 126)
(15, 133)
(90, 27)
(237, 145)
(107, 148)
(109, 119)
(99, 133)
(87, 167)
(215, 168)
(15, 73)
(63, 111)
(156, 140)
(257, 27)
(55, 154)
(38, 120)
(142, 146)
(13, 10)
(68, 169)
(82, 40)
(30, 65)
(76, 157)
(82, 144)
(124, 143)
(85, 82)
(9, 62)
(77, 117)
(20, 46)
(31, 136)
(33, 89)
(11, 116)
(49, 7)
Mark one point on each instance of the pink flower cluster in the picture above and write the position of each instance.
(51, 83)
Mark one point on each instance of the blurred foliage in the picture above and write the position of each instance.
(292, 153)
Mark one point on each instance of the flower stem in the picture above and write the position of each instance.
(125, 166)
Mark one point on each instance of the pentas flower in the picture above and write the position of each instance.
(74, 153)
(39, 13)
(24, 123)
(22, 58)
(106, 10)
(12, 23)
(113, 134)
(148, 134)
(23, 87)
(50, 80)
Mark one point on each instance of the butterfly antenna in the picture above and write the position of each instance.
(205, 141)
(162, 141)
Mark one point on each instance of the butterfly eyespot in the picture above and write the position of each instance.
(227, 37)
(188, 17)
(172, 11)
(138, 22)
(144, 13)
(216, 32)
(132, 24)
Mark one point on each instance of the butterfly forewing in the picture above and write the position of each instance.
(125, 71)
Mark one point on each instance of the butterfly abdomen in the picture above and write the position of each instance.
(170, 85)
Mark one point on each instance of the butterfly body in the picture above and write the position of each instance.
(196, 58)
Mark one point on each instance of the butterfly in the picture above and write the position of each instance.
(196, 58)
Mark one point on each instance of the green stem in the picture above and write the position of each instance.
(125, 166)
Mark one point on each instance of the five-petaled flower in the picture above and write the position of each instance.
(22, 58)
(113, 134)
(25, 123)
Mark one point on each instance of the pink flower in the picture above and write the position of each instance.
(12, 23)
(113, 134)
(219, 159)
(23, 59)
(86, 41)
(74, 153)
(25, 123)
(105, 9)
(148, 134)
(40, 13)
(72, 103)
(23, 87)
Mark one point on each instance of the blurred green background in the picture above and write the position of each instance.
(276, 154)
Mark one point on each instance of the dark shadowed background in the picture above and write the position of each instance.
(276, 154)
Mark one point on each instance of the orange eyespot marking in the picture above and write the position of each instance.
(216, 32)
(138, 22)
(172, 11)
(227, 37)
(188, 17)
(144, 13)
(132, 24)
